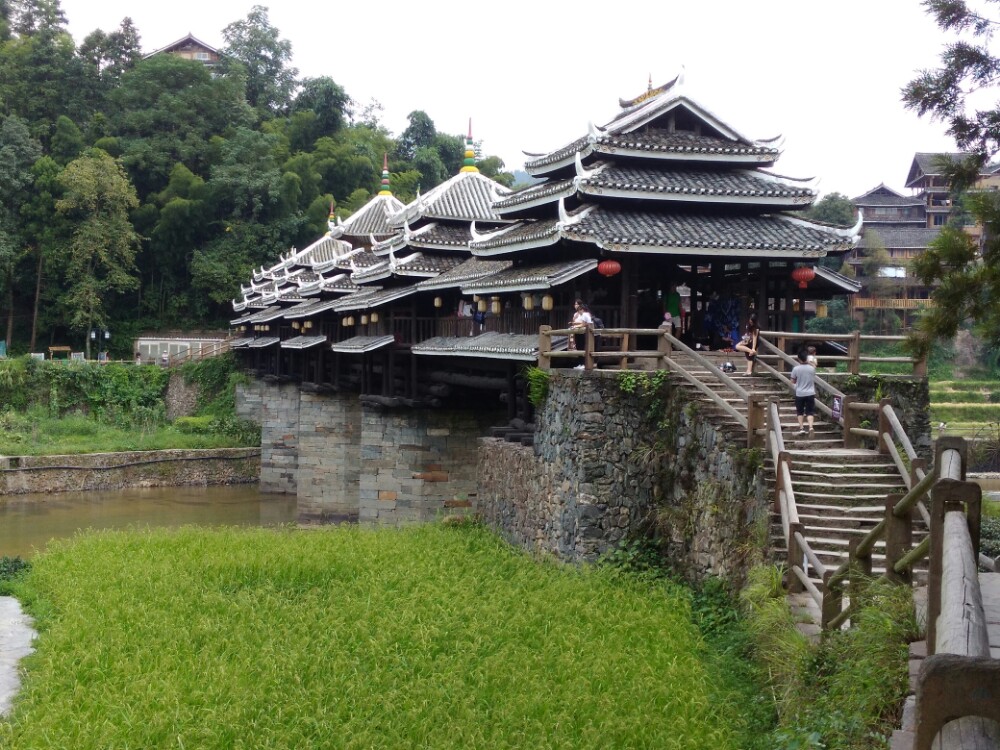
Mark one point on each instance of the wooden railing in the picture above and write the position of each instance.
(853, 341)
(662, 358)
(958, 686)
(800, 553)
(213, 349)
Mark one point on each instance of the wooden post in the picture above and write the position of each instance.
(951, 443)
(544, 347)
(939, 501)
(755, 420)
(883, 426)
(920, 367)
(852, 418)
(794, 557)
(915, 465)
(898, 539)
(588, 348)
(854, 352)
(833, 600)
(780, 364)
(861, 565)
(663, 346)
(623, 347)
(779, 478)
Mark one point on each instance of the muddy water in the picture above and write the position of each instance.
(28, 522)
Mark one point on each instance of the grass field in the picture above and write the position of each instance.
(432, 637)
(34, 433)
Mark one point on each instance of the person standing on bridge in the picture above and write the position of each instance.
(804, 377)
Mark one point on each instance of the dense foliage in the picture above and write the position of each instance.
(139, 193)
(434, 636)
(966, 272)
(82, 407)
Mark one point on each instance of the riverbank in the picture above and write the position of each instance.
(114, 471)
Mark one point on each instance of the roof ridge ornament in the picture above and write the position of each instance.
(594, 133)
(469, 163)
(385, 175)
(651, 92)
(581, 173)
(476, 236)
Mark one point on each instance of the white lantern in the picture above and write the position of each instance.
(438, 302)
(364, 320)
(528, 301)
(374, 317)
(481, 305)
(295, 324)
(495, 305)
(547, 302)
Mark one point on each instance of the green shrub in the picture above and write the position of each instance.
(194, 425)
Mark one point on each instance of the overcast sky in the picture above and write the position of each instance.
(532, 73)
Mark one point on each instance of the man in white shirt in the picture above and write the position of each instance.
(804, 377)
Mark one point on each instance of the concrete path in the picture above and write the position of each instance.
(16, 635)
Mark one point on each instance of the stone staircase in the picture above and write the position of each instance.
(840, 493)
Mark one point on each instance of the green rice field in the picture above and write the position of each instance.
(429, 637)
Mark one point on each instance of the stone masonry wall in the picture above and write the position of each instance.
(279, 438)
(609, 465)
(419, 464)
(910, 398)
(115, 471)
(329, 457)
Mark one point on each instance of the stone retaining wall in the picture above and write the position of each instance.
(115, 471)
(608, 466)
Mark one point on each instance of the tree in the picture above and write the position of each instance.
(254, 51)
(834, 208)
(166, 111)
(966, 276)
(99, 259)
(328, 101)
(18, 151)
(418, 134)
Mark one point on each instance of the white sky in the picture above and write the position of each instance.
(531, 74)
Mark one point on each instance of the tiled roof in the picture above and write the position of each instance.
(371, 218)
(885, 196)
(241, 343)
(431, 236)
(683, 143)
(424, 265)
(363, 301)
(522, 235)
(357, 258)
(899, 237)
(303, 342)
(341, 282)
(529, 278)
(658, 143)
(261, 342)
(251, 317)
(323, 254)
(488, 345)
(697, 234)
(846, 283)
(534, 195)
(467, 195)
(469, 270)
(361, 344)
(925, 165)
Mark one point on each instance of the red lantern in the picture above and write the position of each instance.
(609, 267)
(803, 275)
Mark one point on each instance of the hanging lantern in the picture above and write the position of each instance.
(374, 317)
(266, 327)
(528, 301)
(438, 302)
(481, 305)
(364, 320)
(803, 275)
(343, 322)
(475, 298)
(547, 302)
(295, 324)
(609, 267)
(307, 325)
(350, 320)
(495, 305)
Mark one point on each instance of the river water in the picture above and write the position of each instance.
(28, 522)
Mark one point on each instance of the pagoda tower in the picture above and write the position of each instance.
(673, 196)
